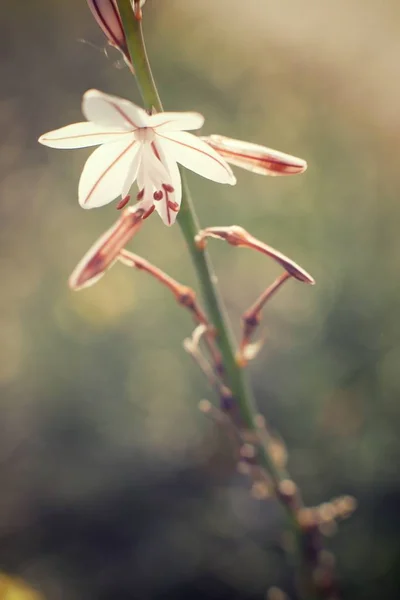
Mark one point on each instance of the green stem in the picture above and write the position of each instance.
(189, 225)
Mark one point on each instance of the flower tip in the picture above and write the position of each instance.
(306, 278)
(201, 119)
(294, 270)
(298, 166)
(92, 93)
(233, 180)
(74, 283)
(79, 280)
(84, 204)
(45, 139)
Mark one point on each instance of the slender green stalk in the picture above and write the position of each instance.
(188, 223)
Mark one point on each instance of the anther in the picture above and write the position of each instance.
(158, 195)
(174, 206)
(123, 202)
(168, 188)
(149, 212)
(140, 194)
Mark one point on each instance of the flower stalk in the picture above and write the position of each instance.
(252, 317)
(236, 378)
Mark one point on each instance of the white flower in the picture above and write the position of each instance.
(136, 146)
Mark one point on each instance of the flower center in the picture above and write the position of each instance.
(145, 134)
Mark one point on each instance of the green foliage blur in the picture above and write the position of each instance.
(113, 484)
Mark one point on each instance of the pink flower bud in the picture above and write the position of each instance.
(255, 158)
(105, 251)
(108, 18)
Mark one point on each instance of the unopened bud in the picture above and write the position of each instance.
(103, 254)
(108, 18)
(205, 406)
(260, 490)
(249, 352)
(255, 158)
(237, 236)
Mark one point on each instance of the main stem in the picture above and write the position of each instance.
(189, 225)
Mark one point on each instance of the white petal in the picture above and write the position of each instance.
(105, 172)
(152, 172)
(176, 181)
(150, 176)
(80, 135)
(162, 206)
(196, 155)
(133, 170)
(176, 121)
(111, 111)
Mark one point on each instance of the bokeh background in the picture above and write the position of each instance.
(112, 484)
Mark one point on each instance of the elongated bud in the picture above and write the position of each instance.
(108, 18)
(105, 251)
(255, 158)
(237, 236)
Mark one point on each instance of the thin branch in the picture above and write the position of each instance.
(252, 317)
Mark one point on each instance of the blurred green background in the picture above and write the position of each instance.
(113, 484)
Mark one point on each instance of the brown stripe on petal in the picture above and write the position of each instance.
(184, 145)
(107, 170)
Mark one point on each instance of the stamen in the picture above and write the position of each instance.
(140, 194)
(123, 202)
(158, 195)
(174, 206)
(168, 188)
(149, 212)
